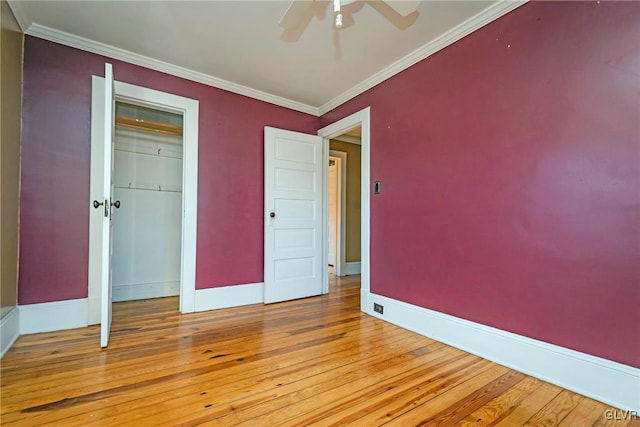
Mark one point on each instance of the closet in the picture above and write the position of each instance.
(147, 179)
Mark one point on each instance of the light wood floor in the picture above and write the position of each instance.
(312, 361)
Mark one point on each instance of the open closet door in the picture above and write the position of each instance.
(101, 189)
(293, 223)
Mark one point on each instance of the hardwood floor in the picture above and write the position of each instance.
(311, 361)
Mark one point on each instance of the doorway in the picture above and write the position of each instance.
(147, 185)
(344, 203)
(188, 109)
(295, 208)
(360, 119)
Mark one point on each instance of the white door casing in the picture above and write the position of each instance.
(360, 118)
(294, 251)
(189, 108)
(342, 216)
(332, 229)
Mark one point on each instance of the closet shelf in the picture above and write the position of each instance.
(148, 126)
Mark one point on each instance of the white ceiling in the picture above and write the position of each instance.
(237, 45)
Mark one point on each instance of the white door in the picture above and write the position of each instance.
(101, 191)
(293, 222)
(332, 240)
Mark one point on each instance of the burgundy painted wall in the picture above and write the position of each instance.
(54, 214)
(510, 164)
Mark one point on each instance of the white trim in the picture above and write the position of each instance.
(609, 382)
(229, 296)
(18, 12)
(338, 230)
(9, 330)
(351, 268)
(360, 118)
(137, 291)
(342, 213)
(53, 316)
(92, 46)
(486, 16)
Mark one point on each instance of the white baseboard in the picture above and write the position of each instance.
(136, 291)
(601, 379)
(229, 296)
(53, 316)
(9, 330)
(93, 308)
(350, 268)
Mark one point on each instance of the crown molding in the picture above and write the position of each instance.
(488, 15)
(18, 12)
(92, 46)
(477, 21)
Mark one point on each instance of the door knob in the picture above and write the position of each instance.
(97, 204)
(116, 204)
(272, 214)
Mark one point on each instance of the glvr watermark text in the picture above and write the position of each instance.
(618, 414)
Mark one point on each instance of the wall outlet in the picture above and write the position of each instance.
(378, 308)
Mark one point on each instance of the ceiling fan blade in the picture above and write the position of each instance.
(403, 7)
(293, 34)
(295, 14)
(299, 15)
(300, 12)
(399, 21)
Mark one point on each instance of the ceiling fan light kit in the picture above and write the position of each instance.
(300, 12)
(336, 12)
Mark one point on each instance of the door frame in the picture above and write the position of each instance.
(360, 118)
(341, 219)
(189, 108)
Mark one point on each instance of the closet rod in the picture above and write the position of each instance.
(157, 190)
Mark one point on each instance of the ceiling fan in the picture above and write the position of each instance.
(402, 14)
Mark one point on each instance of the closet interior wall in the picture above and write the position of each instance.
(147, 226)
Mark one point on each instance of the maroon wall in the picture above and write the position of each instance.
(510, 164)
(54, 215)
